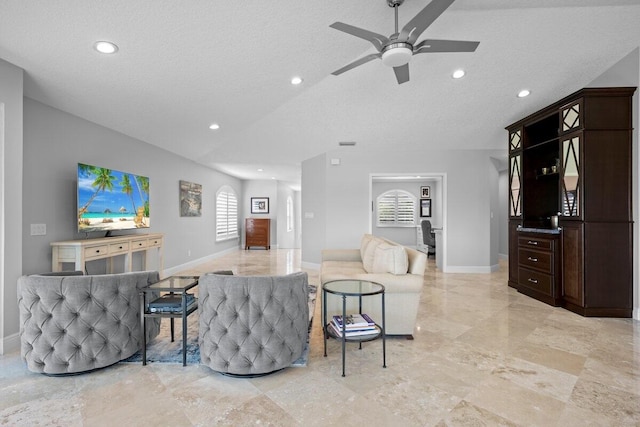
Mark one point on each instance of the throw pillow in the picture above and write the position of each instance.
(369, 253)
(390, 259)
(366, 239)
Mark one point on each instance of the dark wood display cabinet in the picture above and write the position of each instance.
(570, 207)
(257, 233)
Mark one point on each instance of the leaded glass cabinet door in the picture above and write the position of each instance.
(571, 177)
(515, 182)
(571, 117)
(515, 173)
(515, 141)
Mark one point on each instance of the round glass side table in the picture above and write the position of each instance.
(359, 289)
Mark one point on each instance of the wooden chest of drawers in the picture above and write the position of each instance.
(538, 267)
(257, 232)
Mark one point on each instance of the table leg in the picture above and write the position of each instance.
(184, 329)
(324, 320)
(143, 326)
(384, 337)
(344, 329)
(172, 329)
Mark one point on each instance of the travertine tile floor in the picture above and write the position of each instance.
(482, 355)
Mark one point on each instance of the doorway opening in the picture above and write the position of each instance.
(430, 195)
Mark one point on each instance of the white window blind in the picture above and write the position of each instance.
(226, 214)
(396, 208)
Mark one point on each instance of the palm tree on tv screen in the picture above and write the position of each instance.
(143, 187)
(103, 181)
(128, 189)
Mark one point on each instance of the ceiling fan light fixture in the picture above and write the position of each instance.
(397, 54)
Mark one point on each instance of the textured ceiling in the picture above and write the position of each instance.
(184, 65)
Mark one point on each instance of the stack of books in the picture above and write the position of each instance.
(356, 325)
(171, 303)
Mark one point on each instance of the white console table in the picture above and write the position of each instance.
(79, 252)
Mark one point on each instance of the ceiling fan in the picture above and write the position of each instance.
(397, 49)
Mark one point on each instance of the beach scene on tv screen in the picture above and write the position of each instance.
(111, 200)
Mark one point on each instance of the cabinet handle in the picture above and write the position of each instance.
(533, 259)
(530, 242)
(97, 251)
(534, 281)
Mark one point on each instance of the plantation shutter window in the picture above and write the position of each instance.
(396, 208)
(226, 214)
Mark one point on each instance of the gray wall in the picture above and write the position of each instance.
(314, 206)
(471, 178)
(288, 239)
(54, 142)
(11, 142)
(503, 213)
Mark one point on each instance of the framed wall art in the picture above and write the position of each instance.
(425, 192)
(425, 207)
(259, 205)
(190, 199)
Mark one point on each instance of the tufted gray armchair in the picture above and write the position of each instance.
(73, 324)
(252, 325)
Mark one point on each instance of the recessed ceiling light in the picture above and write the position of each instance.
(296, 80)
(214, 126)
(105, 47)
(523, 93)
(260, 170)
(458, 74)
(273, 177)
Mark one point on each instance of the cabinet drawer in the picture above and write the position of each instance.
(537, 260)
(535, 243)
(96, 251)
(154, 243)
(138, 244)
(537, 281)
(116, 248)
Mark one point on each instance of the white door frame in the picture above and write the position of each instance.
(404, 177)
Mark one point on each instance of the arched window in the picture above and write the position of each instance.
(226, 214)
(396, 208)
(289, 214)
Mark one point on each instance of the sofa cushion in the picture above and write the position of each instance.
(390, 258)
(367, 239)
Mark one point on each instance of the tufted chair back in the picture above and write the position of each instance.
(73, 324)
(252, 325)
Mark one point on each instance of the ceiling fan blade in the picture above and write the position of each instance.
(357, 62)
(423, 19)
(434, 46)
(378, 40)
(402, 73)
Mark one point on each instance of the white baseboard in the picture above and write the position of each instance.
(636, 313)
(471, 269)
(173, 270)
(310, 265)
(10, 344)
(503, 256)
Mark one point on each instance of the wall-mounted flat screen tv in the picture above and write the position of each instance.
(110, 200)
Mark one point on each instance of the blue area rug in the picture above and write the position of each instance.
(162, 350)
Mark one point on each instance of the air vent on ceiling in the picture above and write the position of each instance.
(346, 143)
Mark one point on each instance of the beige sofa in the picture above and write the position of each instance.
(400, 269)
